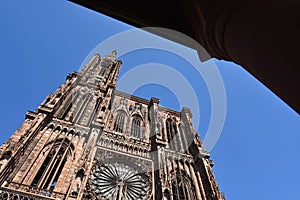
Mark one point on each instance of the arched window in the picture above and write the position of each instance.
(100, 76)
(81, 106)
(5, 158)
(176, 138)
(169, 132)
(6, 155)
(84, 115)
(183, 138)
(56, 157)
(71, 99)
(182, 186)
(136, 127)
(172, 134)
(119, 122)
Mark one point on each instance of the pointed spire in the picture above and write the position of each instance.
(114, 53)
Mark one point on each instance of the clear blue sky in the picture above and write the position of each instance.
(256, 156)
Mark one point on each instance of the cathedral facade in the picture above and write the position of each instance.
(89, 141)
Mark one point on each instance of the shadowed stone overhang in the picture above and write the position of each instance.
(260, 35)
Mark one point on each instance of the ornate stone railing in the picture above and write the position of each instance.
(21, 191)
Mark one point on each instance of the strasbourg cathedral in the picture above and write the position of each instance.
(89, 141)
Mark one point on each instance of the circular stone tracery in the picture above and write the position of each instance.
(119, 181)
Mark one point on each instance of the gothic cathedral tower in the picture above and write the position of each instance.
(89, 141)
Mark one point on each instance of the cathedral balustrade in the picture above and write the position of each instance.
(123, 143)
(67, 128)
(124, 138)
(178, 155)
(59, 122)
(20, 191)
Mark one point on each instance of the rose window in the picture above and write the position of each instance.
(120, 182)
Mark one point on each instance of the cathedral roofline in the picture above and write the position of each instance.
(145, 101)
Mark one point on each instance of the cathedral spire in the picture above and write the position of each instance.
(101, 71)
(112, 55)
(114, 52)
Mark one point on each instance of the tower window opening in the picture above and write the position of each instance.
(119, 122)
(49, 173)
(136, 127)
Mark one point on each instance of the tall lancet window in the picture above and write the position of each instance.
(64, 111)
(176, 138)
(183, 138)
(170, 133)
(119, 122)
(136, 127)
(182, 186)
(56, 157)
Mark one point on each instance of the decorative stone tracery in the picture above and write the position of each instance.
(115, 176)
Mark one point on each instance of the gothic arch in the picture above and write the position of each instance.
(80, 173)
(170, 133)
(88, 99)
(71, 132)
(182, 135)
(121, 147)
(161, 129)
(81, 106)
(65, 130)
(53, 159)
(116, 145)
(138, 114)
(131, 149)
(111, 144)
(51, 126)
(135, 150)
(58, 128)
(182, 184)
(105, 143)
(136, 126)
(58, 95)
(70, 99)
(118, 110)
(77, 134)
(6, 155)
(173, 136)
(120, 121)
(126, 147)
